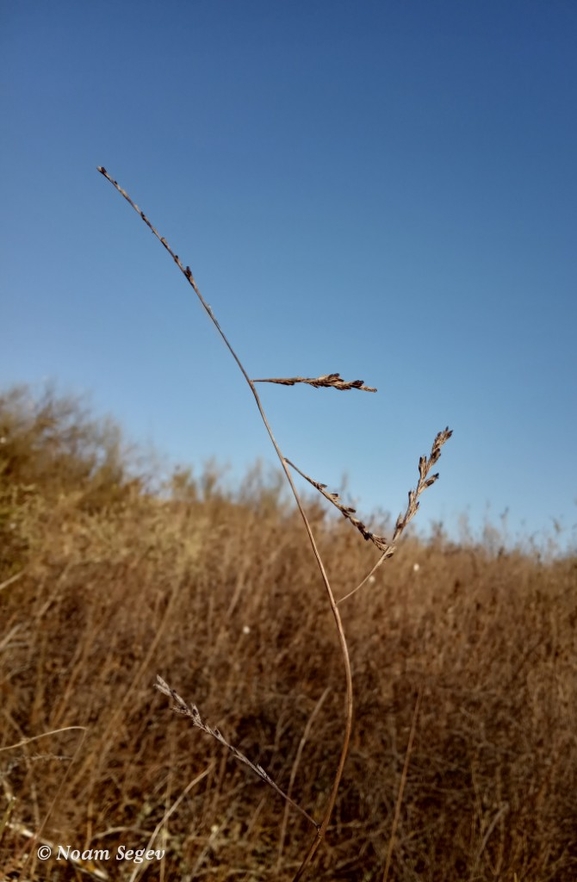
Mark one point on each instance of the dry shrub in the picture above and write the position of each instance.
(216, 592)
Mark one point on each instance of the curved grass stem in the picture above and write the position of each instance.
(186, 271)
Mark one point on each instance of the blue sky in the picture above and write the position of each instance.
(384, 189)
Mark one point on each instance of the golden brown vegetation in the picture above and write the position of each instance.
(104, 585)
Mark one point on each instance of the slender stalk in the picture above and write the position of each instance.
(295, 766)
(186, 271)
(404, 775)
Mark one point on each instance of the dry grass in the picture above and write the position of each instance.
(335, 381)
(103, 586)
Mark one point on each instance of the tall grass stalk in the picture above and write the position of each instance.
(332, 380)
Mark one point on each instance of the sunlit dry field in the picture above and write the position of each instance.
(105, 585)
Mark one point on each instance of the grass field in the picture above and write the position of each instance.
(105, 585)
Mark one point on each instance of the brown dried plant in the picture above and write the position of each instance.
(334, 381)
(192, 712)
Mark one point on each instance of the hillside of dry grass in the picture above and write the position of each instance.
(104, 585)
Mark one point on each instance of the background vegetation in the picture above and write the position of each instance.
(104, 584)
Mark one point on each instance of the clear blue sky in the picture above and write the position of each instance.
(384, 189)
